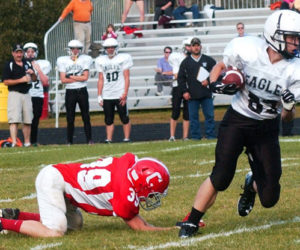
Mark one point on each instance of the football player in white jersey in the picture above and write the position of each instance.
(107, 187)
(113, 85)
(42, 69)
(74, 73)
(252, 121)
(175, 60)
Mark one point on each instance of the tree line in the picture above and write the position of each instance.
(24, 21)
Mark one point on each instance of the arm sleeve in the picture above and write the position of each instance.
(158, 65)
(128, 62)
(98, 65)
(6, 72)
(60, 65)
(182, 79)
(67, 10)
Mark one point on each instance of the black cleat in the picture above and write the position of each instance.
(187, 229)
(9, 213)
(247, 199)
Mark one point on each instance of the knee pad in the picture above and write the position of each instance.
(108, 121)
(125, 119)
(220, 182)
(175, 115)
(269, 196)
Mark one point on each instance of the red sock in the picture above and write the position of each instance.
(28, 216)
(12, 225)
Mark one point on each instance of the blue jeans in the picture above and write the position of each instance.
(178, 13)
(208, 111)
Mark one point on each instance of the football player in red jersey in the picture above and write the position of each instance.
(107, 187)
(271, 69)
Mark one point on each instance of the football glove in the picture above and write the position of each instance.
(221, 88)
(287, 99)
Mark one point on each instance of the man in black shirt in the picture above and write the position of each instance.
(194, 71)
(17, 75)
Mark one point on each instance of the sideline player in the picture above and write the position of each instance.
(74, 73)
(113, 85)
(107, 187)
(252, 121)
(42, 68)
(175, 60)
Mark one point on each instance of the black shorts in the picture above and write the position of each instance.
(109, 111)
(177, 98)
(260, 138)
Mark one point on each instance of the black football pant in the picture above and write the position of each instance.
(177, 99)
(260, 137)
(80, 96)
(37, 108)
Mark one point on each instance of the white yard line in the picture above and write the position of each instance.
(30, 151)
(193, 241)
(27, 197)
(46, 246)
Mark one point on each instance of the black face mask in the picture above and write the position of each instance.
(29, 59)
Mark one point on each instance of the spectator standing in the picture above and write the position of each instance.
(110, 32)
(178, 13)
(175, 60)
(42, 68)
(128, 5)
(74, 73)
(252, 120)
(163, 7)
(164, 73)
(240, 28)
(82, 12)
(107, 187)
(192, 79)
(113, 85)
(17, 75)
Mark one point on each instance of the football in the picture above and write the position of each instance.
(233, 75)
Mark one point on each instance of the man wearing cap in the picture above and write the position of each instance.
(17, 75)
(193, 74)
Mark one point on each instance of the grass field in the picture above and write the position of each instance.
(189, 164)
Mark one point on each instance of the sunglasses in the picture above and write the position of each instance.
(168, 52)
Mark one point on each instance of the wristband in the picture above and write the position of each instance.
(100, 99)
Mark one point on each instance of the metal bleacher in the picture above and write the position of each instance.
(214, 33)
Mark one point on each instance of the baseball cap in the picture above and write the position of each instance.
(17, 47)
(195, 40)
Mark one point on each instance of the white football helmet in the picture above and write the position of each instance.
(74, 44)
(31, 46)
(277, 26)
(186, 42)
(111, 42)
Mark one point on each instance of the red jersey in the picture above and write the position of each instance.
(102, 187)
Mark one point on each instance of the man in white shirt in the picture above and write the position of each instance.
(113, 85)
(42, 68)
(74, 73)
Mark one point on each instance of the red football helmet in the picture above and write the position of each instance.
(150, 178)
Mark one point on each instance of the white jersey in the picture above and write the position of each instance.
(175, 60)
(112, 69)
(37, 89)
(67, 65)
(261, 97)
